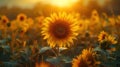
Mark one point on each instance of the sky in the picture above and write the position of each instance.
(113, 4)
(21, 3)
(31, 3)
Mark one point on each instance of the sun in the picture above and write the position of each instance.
(63, 3)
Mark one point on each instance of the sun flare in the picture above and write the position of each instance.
(63, 3)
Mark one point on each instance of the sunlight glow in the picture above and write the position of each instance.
(63, 3)
(101, 2)
(85, 2)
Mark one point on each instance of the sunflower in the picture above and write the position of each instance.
(95, 16)
(30, 22)
(86, 59)
(106, 40)
(102, 36)
(39, 21)
(89, 56)
(60, 29)
(79, 62)
(43, 64)
(4, 20)
(95, 13)
(0, 17)
(111, 39)
(21, 17)
(105, 37)
(23, 28)
(81, 26)
(14, 25)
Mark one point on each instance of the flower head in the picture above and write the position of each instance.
(95, 16)
(60, 29)
(105, 37)
(4, 20)
(21, 17)
(86, 59)
(89, 56)
(0, 17)
(79, 62)
(23, 28)
(102, 36)
(106, 40)
(111, 39)
(39, 21)
(30, 22)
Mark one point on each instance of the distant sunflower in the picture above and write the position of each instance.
(30, 22)
(95, 16)
(39, 20)
(111, 39)
(43, 64)
(23, 28)
(86, 59)
(95, 13)
(60, 29)
(79, 62)
(102, 36)
(105, 37)
(81, 26)
(0, 17)
(89, 57)
(21, 17)
(14, 25)
(4, 20)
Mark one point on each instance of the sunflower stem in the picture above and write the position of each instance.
(58, 52)
(54, 52)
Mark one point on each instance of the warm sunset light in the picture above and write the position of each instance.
(63, 3)
(59, 33)
(101, 2)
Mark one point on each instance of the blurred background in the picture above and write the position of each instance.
(33, 8)
(22, 43)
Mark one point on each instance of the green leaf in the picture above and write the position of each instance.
(10, 64)
(3, 41)
(54, 60)
(44, 49)
(62, 49)
(67, 59)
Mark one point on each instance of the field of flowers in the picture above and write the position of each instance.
(60, 40)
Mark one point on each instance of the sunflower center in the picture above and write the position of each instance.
(4, 21)
(80, 25)
(60, 29)
(90, 59)
(103, 37)
(95, 14)
(21, 18)
(0, 18)
(83, 64)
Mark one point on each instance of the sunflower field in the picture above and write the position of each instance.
(60, 39)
